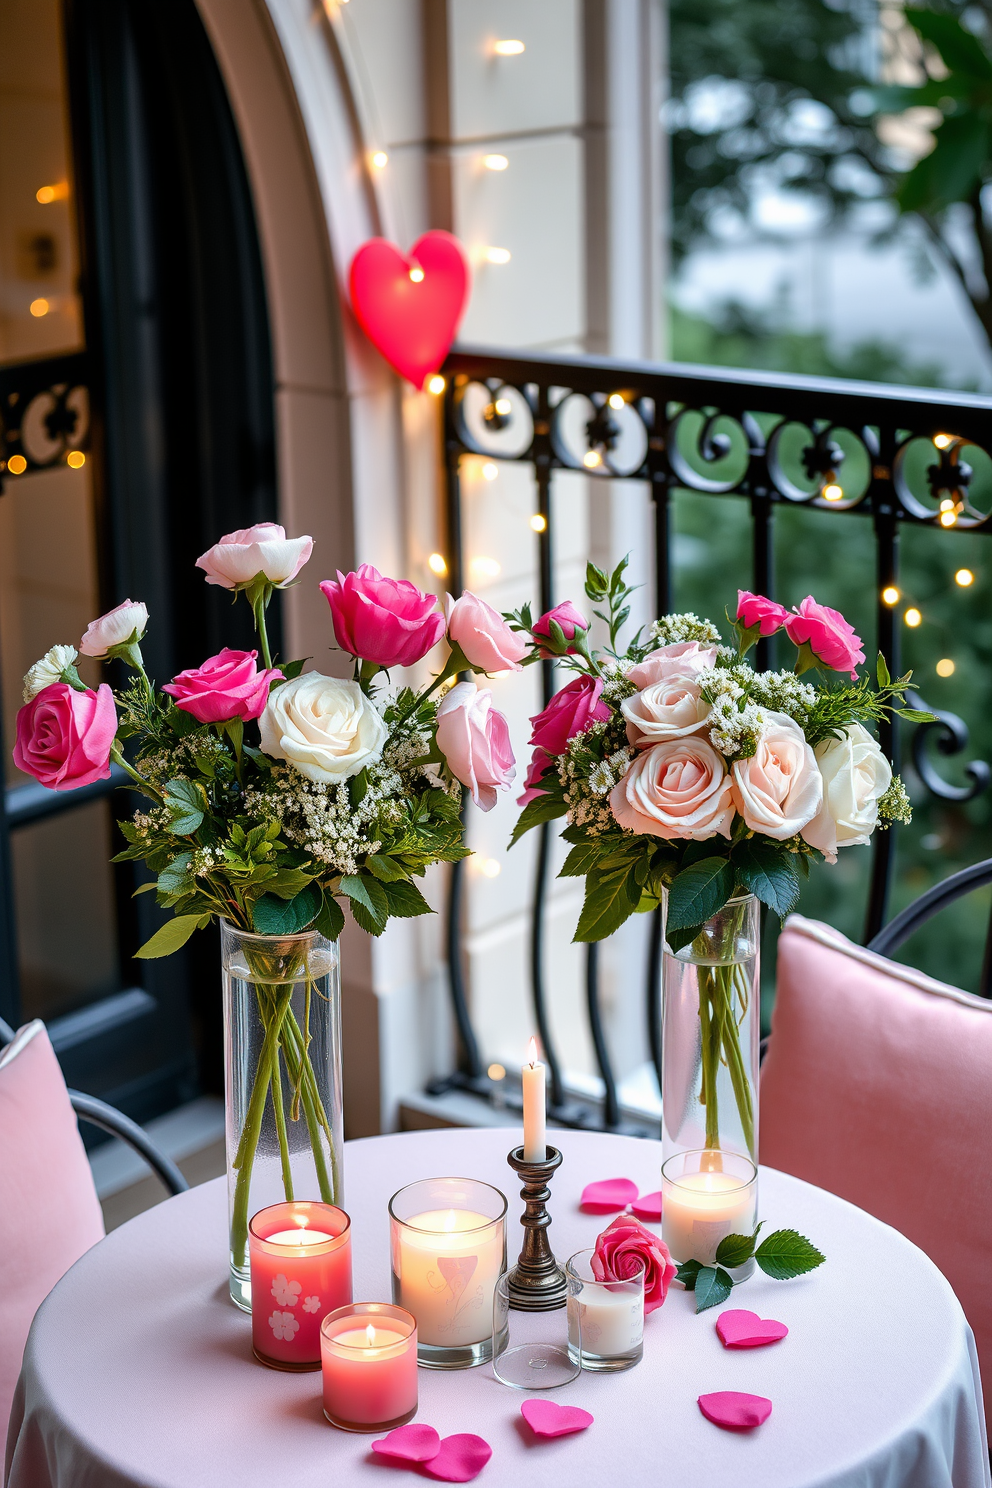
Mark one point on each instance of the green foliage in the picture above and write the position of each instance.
(783, 1255)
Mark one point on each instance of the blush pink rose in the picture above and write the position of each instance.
(677, 789)
(64, 736)
(265, 549)
(681, 658)
(483, 637)
(668, 709)
(388, 621)
(779, 789)
(624, 1249)
(474, 738)
(115, 628)
(228, 685)
(755, 609)
(540, 763)
(568, 618)
(570, 711)
(828, 635)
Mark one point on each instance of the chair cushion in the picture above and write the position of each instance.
(49, 1211)
(877, 1086)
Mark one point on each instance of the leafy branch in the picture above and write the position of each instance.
(782, 1255)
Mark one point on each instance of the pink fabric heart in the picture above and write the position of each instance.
(734, 1410)
(412, 1443)
(739, 1328)
(459, 1459)
(648, 1207)
(548, 1418)
(608, 1196)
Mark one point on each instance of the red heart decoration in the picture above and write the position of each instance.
(411, 320)
(460, 1458)
(608, 1196)
(735, 1411)
(739, 1328)
(548, 1418)
(648, 1206)
(412, 1443)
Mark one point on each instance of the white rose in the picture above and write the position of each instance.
(855, 775)
(115, 628)
(327, 728)
(48, 670)
(265, 549)
(669, 709)
(778, 790)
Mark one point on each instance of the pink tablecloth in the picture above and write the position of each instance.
(139, 1371)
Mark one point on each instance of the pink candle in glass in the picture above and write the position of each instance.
(300, 1271)
(369, 1361)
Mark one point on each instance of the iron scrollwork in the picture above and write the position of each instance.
(950, 736)
(44, 414)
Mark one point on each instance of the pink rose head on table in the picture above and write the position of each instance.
(242, 556)
(474, 738)
(624, 1247)
(65, 735)
(389, 621)
(482, 636)
(228, 685)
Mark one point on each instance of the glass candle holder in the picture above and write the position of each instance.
(605, 1318)
(369, 1361)
(707, 1195)
(530, 1349)
(300, 1256)
(448, 1239)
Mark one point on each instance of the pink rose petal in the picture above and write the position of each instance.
(739, 1328)
(608, 1196)
(460, 1458)
(548, 1418)
(648, 1207)
(734, 1410)
(412, 1443)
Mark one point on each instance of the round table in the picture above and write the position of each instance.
(139, 1370)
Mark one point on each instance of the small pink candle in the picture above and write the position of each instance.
(369, 1359)
(300, 1271)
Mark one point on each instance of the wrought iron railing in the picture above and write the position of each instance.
(768, 440)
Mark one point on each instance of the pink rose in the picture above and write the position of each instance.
(568, 618)
(624, 1249)
(474, 738)
(827, 634)
(64, 736)
(677, 789)
(540, 763)
(115, 628)
(779, 789)
(570, 711)
(388, 621)
(228, 685)
(484, 638)
(263, 549)
(678, 659)
(666, 710)
(755, 609)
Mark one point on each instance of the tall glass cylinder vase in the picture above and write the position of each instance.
(282, 1071)
(710, 1035)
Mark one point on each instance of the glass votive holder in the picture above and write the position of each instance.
(300, 1254)
(448, 1241)
(369, 1361)
(705, 1196)
(530, 1349)
(605, 1318)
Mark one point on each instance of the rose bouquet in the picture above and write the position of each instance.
(274, 795)
(691, 780)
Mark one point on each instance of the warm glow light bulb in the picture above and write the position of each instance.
(496, 1072)
(912, 617)
(504, 407)
(417, 275)
(75, 459)
(948, 518)
(890, 594)
(539, 523)
(487, 567)
(17, 465)
(509, 48)
(945, 667)
(489, 868)
(833, 492)
(437, 565)
(942, 441)
(39, 307)
(380, 159)
(617, 400)
(964, 577)
(435, 384)
(591, 459)
(490, 470)
(497, 255)
(58, 192)
(495, 162)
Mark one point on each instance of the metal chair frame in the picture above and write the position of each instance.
(909, 920)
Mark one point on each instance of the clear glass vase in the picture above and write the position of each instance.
(710, 1035)
(282, 1078)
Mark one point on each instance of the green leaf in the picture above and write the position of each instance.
(187, 801)
(677, 940)
(405, 900)
(954, 168)
(358, 787)
(369, 904)
(292, 669)
(768, 870)
(176, 877)
(273, 916)
(882, 671)
(288, 882)
(698, 892)
(713, 1286)
(687, 1273)
(173, 935)
(582, 858)
(734, 1250)
(959, 48)
(385, 868)
(543, 808)
(145, 888)
(785, 1253)
(610, 899)
(330, 921)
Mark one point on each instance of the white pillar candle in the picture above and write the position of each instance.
(700, 1209)
(605, 1321)
(446, 1263)
(535, 1135)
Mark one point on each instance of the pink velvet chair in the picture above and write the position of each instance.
(877, 1086)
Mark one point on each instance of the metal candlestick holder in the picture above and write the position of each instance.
(537, 1282)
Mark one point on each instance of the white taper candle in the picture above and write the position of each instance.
(535, 1136)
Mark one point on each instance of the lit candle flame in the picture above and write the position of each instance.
(532, 1053)
(370, 1336)
(451, 1221)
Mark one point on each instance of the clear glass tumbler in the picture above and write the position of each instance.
(605, 1318)
(530, 1349)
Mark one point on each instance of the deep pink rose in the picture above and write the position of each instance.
(64, 736)
(484, 638)
(388, 621)
(474, 738)
(830, 638)
(570, 711)
(540, 763)
(623, 1248)
(228, 685)
(755, 609)
(568, 617)
(265, 549)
